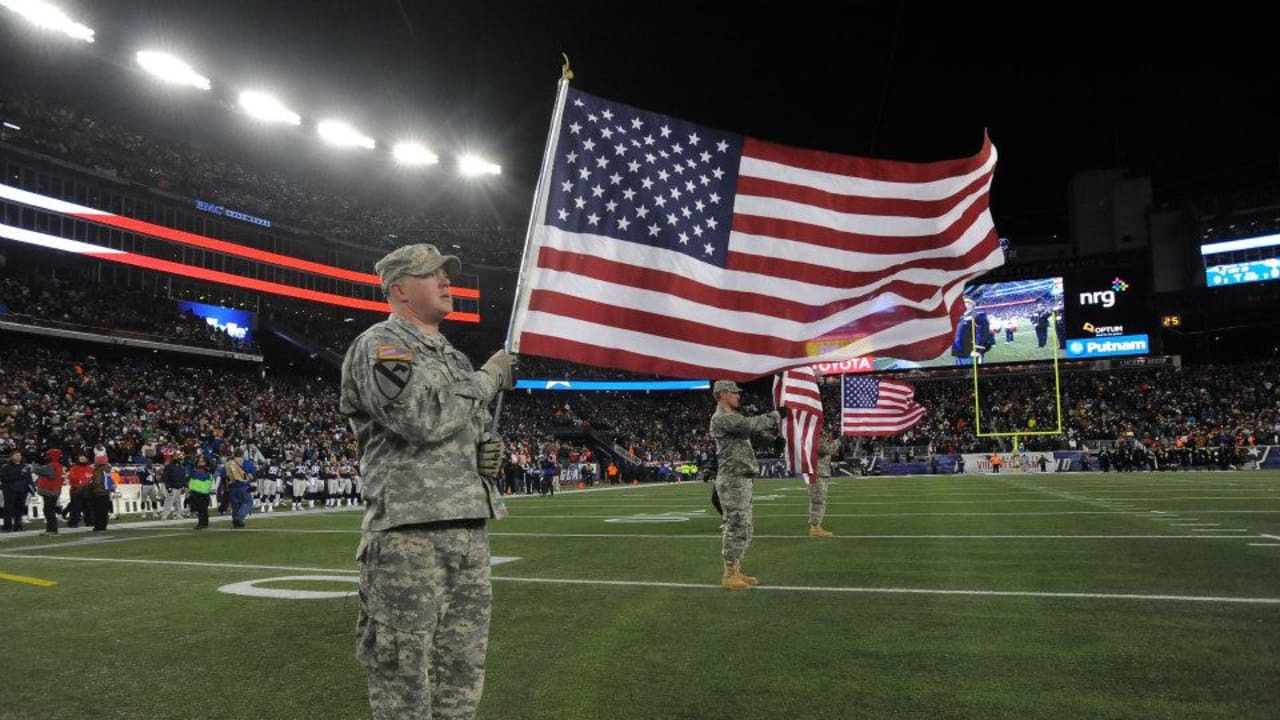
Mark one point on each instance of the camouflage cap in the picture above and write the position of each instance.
(419, 259)
(725, 386)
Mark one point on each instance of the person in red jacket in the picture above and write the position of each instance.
(49, 486)
(81, 474)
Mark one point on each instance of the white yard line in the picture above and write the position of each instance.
(713, 586)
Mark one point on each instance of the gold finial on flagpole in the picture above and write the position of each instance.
(565, 72)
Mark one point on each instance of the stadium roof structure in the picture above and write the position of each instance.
(1098, 92)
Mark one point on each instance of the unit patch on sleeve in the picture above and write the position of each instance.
(391, 377)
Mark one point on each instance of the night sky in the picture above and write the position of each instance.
(1187, 99)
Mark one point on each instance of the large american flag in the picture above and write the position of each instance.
(797, 391)
(674, 249)
(873, 406)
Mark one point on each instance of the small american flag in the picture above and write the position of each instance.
(797, 391)
(669, 248)
(871, 406)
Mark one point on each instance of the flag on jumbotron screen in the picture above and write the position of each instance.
(873, 406)
(661, 246)
(797, 391)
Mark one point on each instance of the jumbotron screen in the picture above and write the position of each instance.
(1247, 260)
(1004, 322)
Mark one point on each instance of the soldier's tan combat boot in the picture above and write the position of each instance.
(752, 581)
(733, 578)
(817, 531)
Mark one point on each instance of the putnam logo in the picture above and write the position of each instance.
(1121, 345)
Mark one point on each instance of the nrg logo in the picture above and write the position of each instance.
(1105, 298)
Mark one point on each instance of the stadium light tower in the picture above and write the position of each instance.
(44, 15)
(472, 165)
(336, 132)
(412, 153)
(170, 69)
(264, 107)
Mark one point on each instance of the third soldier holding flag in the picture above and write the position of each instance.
(733, 433)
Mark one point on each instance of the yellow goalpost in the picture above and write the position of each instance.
(1057, 394)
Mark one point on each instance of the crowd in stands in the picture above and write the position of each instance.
(81, 305)
(549, 368)
(305, 202)
(132, 408)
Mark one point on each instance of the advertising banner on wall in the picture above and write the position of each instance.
(236, 323)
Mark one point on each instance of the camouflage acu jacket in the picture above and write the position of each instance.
(419, 411)
(732, 432)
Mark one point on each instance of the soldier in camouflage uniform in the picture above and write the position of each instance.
(420, 413)
(827, 447)
(733, 433)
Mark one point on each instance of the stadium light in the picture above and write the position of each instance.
(336, 132)
(472, 165)
(44, 15)
(412, 153)
(264, 107)
(170, 69)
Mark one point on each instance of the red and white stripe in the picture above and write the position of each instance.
(796, 390)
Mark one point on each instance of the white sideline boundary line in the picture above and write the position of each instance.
(716, 587)
(117, 525)
(179, 563)
(797, 536)
(906, 591)
(925, 514)
(838, 536)
(96, 541)
(1173, 497)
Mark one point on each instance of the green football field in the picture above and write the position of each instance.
(1023, 349)
(1034, 596)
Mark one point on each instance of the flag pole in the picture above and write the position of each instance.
(538, 211)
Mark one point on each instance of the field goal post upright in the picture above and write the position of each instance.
(1057, 393)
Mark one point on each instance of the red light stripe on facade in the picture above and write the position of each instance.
(77, 247)
(102, 217)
